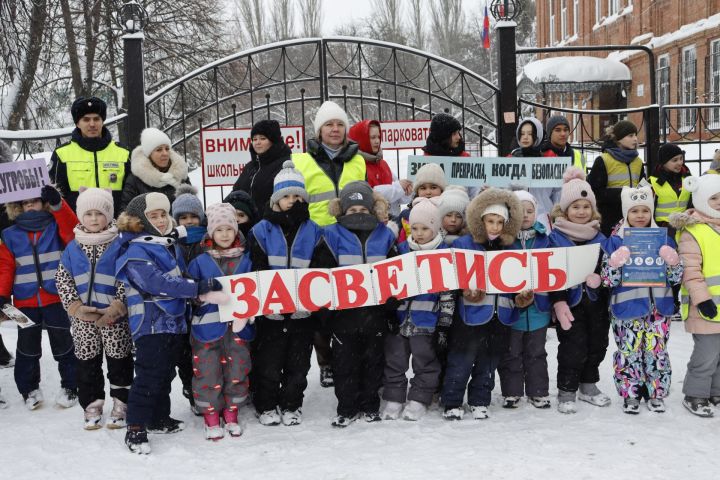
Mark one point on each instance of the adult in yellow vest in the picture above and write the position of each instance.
(618, 166)
(667, 183)
(331, 161)
(91, 158)
(699, 234)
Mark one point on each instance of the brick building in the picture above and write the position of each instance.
(684, 36)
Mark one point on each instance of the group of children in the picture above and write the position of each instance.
(149, 280)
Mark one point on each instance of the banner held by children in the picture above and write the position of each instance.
(225, 151)
(22, 180)
(501, 172)
(505, 271)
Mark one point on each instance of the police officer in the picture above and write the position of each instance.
(91, 158)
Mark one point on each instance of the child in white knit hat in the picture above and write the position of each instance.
(453, 202)
(640, 316)
(429, 182)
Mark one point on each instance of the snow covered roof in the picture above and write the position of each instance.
(576, 69)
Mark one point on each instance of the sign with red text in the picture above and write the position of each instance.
(505, 271)
(225, 151)
(404, 134)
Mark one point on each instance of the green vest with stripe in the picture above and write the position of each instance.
(320, 187)
(668, 201)
(620, 174)
(708, 240)
(103, 169)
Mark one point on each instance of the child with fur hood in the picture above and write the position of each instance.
(480, 334)
(358, 334)
(29, 256)
(419, 328)
(698, 230)
(95, 302)
(581, 311)
(221, 355)
(152, 268)
(524, 369)
(640, 317)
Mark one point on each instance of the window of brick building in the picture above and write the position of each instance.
(687, 87)
(714, 83)
(662, 76)
(552, 22)
(613, 7)
(598, 12)
(576, 17)
(563, 19)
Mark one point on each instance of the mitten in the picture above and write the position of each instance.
(593, 280)
(670, 255)
(49, 195)
(218, 298)
(111, 313)
(391, 304)
(87, 314)
(564, 315)
(239, 324)
(474, 295)
(708, 309)
(524, 299)
(209, 285)
(619, 257)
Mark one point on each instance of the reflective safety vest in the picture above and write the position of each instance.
(558, 239)
(627, 303)
(422, 310)
(620, 174)
(95, 282)
(708, 240)
(271, 239)
(103, 169)
(35, 265)
(347, 249)
(480, 313)
(668, 201)
(579, 160)
(206, 324)
(321, 188)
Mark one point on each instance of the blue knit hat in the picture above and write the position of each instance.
(186, 201)
(288, 181)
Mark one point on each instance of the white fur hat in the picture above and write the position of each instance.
(329, 111)
(151, 138)
(702, 188)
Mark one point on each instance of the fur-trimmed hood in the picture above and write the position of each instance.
(381, 207)
(690, 217)
(129, 223)
(485, 199)
(143, 168)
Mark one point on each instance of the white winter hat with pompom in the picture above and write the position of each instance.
(702, 188)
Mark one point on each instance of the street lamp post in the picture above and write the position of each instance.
(505, 12)
(133, 18)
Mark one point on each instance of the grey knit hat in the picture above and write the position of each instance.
(556, 120)
(186, 201)
(147, 202)
(356, 193)
(288, 181)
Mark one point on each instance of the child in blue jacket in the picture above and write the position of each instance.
(151, 268)
(221, 357)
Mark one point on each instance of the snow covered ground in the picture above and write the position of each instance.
(526, 443)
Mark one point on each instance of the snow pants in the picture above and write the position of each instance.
(358, 362)
(426, 369)
(523, 370)
(702, 379)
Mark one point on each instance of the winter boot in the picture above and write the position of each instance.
(232, 425)
(291, 417)
(326, 377)
(269, 417)
(213, 430)
(341, 421)
(187, 393)
(511, 402)
(590, 393)
(698, 406)
(372, 417)
(631, 405)
(6, 359)
(93, 415)
(66, 398)
(479, 412)
(715, 400)
(117, 415)
(540, 402)
(453, 413)
(656, 405)
(166, 425)
(414, 411)
(136, 440)
(392, 410)
(33, 399)
(566, 402)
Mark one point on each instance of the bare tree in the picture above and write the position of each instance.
(251, 20)
(417, 36)
(386, 21)
(282, 20)
(448, 25)
(311, 17)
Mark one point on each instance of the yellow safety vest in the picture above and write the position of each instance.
(711, 172)
(620, 174)
(321, 188)
(103, 169)
(709, 240)
(579, 160)
(668, 201)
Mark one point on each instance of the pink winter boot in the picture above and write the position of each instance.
(230, 415)
(213, 430)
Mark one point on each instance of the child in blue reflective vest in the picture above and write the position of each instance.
(95, 302)
(220, 353)
(640, 316)
(524, 369)
(151, 268)
(418, 329)
(359, 236)
(582, 310)
(285, 238)
(480, 335)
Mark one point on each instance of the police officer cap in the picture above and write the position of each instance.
(85, 105)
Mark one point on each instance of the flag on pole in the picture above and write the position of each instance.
(486, 29)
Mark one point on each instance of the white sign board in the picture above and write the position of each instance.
(404, 134)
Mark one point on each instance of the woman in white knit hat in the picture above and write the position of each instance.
(155, 167)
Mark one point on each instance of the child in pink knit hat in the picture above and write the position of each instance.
(582, 310)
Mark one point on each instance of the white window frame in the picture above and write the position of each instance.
(688, 87)
(598, 12)
(663, 75)
(714, 83)
(576, 17)
(563, 20)
(552, 22)
(613, 7)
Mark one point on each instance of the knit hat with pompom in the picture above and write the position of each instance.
(575, 188)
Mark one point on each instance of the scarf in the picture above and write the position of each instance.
(332, 152)
(525, 235)
(236, 249)
(289, 219)
(371, 158)
(577, 232)
(195, 234)
(99, 238)
(34, 220)
(442, 150)
(431, 245)
(621, 155)
(359, 221)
